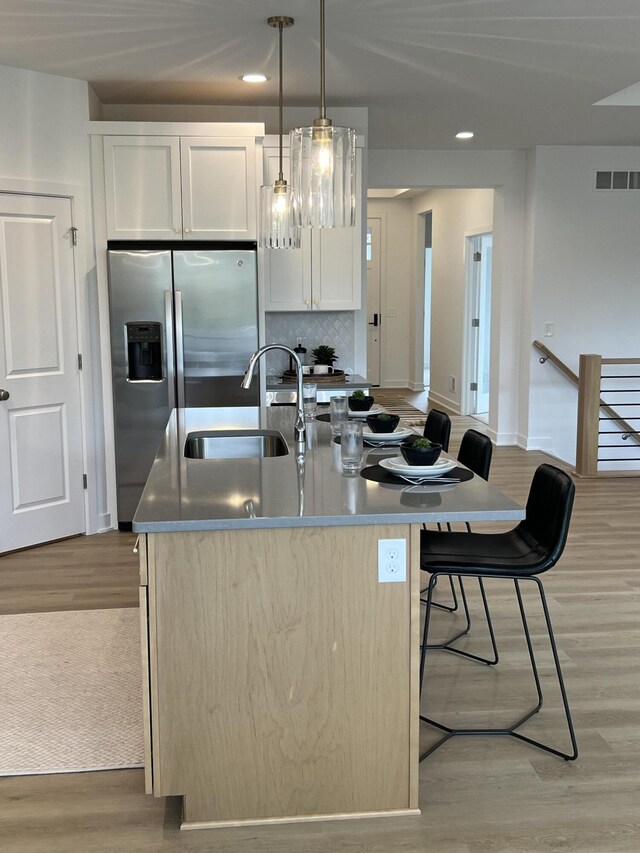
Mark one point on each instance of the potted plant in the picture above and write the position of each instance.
(384, 422)
(420, 451)
(360, 402)
(323, 358)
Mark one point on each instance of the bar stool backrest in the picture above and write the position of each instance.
(548, 510)
(437, 428)
(475, 453)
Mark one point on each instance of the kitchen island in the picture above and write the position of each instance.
(281, 675)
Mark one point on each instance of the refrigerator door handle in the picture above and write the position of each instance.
(179, 349)
(169, 349)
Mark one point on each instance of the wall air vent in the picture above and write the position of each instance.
(617, 181)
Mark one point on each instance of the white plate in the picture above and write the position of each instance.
(374, 410)
(397, 465)
(398, 434)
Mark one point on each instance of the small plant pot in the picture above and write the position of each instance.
(322, 368)
(420, 455)
(360, 404)
(376, 423)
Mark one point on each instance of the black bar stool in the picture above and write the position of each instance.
(475, 453)
(437, 428)
(521, 554)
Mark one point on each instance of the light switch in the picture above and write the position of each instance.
(548, 330)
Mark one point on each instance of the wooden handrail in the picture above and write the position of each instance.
(626, 426)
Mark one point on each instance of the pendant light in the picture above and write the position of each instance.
(323, 161)
(277, 228)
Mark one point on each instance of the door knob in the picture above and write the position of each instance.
(4, 395)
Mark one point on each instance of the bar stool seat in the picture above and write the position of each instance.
(521, 554)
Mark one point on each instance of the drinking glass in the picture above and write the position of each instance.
(351, 445)
(338, 411)
(310, 400)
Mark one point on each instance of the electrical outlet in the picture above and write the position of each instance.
(392, 560)
(452, 383)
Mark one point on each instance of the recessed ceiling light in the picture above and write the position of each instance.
(465, 134)
(254, 78)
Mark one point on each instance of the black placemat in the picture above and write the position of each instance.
(381, 475)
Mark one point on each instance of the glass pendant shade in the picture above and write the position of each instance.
(323, 176)
(277, 229)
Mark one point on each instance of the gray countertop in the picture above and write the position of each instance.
(310, 491)
(351, 381)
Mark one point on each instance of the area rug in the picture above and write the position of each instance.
(70, 692)
(397, 405)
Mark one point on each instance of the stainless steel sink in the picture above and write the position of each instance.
(235, 444)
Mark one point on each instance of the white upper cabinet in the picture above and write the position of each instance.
(218, 188)
(171, 188)
(142, 187)
(325, 274)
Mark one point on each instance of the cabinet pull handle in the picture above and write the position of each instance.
(187, 230)
(177, 230)
(306, 302)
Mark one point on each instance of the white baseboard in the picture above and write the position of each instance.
(504, 439)
(539, 443)
(394, 383)
(439, 401)
(416, 386)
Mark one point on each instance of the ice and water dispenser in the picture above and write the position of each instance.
(144, 352)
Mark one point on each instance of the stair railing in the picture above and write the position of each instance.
(601, 436)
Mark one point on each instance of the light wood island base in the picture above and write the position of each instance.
(283, 677)
(272, 821)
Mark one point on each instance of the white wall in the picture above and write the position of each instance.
(455, 214)
(584, 272)
(44, 148)
(42, 124)
(355, 117)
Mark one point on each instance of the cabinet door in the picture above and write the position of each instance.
(218, 188)
(142, 186)
(287, 272)
(337, 262)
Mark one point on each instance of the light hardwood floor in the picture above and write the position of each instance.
(478, 795)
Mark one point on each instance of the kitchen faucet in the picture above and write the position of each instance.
(298, 429)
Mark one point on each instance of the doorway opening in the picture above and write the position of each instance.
(424, 292)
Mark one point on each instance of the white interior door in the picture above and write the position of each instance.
(374, 316)
(479, 260)
(41, 487)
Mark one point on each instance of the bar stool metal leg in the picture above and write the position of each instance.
(509, 730)
(448, 645)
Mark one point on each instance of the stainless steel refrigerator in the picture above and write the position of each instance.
(183, 326)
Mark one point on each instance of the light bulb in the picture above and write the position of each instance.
(323, 156)
(280, 203)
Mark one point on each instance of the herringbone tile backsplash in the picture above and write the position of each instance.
(333, 328)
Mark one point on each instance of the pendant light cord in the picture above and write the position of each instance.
(280, 99)
(323, 110)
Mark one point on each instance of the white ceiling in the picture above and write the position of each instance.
(517, 72)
